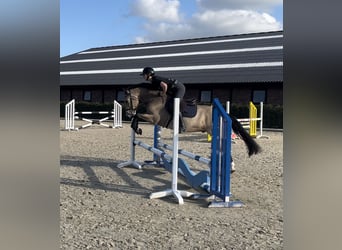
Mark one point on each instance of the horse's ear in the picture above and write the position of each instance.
(129, 87)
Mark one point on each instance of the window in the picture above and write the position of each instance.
(205, 96)
(87, 95)
(259, 96)
(120, 96)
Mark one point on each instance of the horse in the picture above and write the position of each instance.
(148, 104)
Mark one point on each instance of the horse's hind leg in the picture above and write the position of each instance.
(232, 164)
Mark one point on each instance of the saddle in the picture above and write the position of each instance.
(188, 107)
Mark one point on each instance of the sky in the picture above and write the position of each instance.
(86, 24)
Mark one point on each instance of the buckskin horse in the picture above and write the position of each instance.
(149, 105)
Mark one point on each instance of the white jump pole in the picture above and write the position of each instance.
(174, 189)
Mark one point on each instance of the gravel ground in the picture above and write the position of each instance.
(104, 207)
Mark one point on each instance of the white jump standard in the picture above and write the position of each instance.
(178, 194)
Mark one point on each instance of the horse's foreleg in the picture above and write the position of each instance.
(154, 119)
(151, 118)
(135, 124)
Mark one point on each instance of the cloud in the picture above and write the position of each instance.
(166, 31)
(213, 18)
(255, 5)
(233, 22)
(140, 39)
(157, 10)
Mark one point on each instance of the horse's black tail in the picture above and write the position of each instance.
(253, 147)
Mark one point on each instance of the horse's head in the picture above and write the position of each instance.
(141, 96)
(132, 100)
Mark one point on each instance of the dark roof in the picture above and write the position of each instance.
(256, 57)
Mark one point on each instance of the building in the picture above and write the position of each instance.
(239, 68)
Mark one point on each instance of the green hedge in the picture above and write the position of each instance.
(272, 117)
(273, 114)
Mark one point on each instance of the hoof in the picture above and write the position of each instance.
(139, 131)
(232, 169)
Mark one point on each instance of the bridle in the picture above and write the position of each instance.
(131, 110)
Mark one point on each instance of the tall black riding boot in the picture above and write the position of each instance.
(182, 127)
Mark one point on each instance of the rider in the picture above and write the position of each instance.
(169, 86)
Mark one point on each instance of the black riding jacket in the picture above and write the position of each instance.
(174, 87)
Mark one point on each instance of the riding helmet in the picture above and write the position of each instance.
(148, 71)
